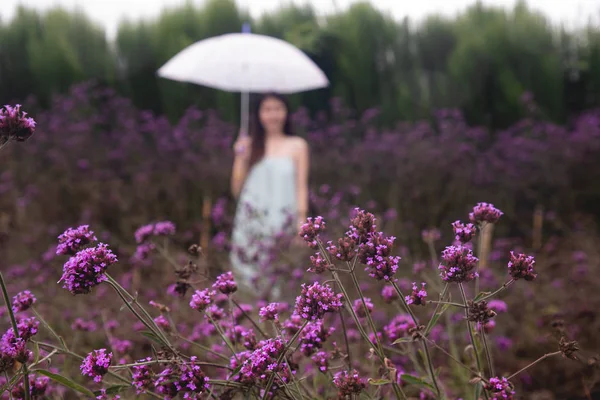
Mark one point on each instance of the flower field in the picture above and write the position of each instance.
(441, 260)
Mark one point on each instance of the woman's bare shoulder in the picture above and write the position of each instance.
(298, 144)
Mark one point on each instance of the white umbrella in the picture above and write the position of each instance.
(245, 62)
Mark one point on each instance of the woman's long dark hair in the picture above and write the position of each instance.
(257, 130)
(257, 133)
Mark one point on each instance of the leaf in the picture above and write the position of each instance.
(152, 337)
(403, 340)
(435, 318)
(66, 382)
(481, 296)
(413, 380)
(113, 390)
(379, 382)
(36, 352)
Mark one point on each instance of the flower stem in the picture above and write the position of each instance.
(451, 356)
(280, 358)
(416, 322)
(346, 340)
(150, 324)
(504, 286)
(437, 308)
(258, 329)
(223, 336)
(470, 329)
(446, 302)
(13, 321)
(488, 353)
(533, 363)
(207, 349)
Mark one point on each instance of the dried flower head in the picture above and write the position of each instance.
(568, 348)
(361, 226)
(521, 267)
(480, 312)
(316, 300)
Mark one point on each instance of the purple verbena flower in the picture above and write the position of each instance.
(497, 306)
(389, 294)
(348, 383)
(318, 264)
(313, 337)
(96, 364)
(463, 233)
(310, 230)
(400, 326)
(82, 325)
(73, 240)
(316, 300)
(417, 297)
(15, 124)
(37, 388)
(87, 268)
(500, 389)
(485, 212)
(321, 359)
(431, 235)
(201, 299)
(142, 377)
(457, 265)
(521, 267)
(359, 308)
(22, 301)
(225, 283)
(269, 312)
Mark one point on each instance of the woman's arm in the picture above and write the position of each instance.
(240, 165)
(302, 164)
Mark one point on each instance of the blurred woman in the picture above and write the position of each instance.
(270, 181)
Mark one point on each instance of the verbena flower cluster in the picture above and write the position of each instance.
(96, 364)
(15, 125)
(74, 239)
(87, 269)
(316, 300)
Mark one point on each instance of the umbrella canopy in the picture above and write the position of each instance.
(245, 62)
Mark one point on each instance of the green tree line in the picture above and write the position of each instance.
(481, 61)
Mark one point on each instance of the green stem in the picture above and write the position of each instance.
(533, 363)
(470, 329)
(48, 327)
(367, 312)
(452, 357)
(258, 329)
(280, 358)
(346, 340)
(446, 302)
(287, 362)
(207, 349)
(416, 322)
(437, 308)
(8, 381)
(488, 353)
(13, 321)
(223, 336)
(504, 286)
(150, 324)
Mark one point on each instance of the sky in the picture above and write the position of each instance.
(110, 12)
